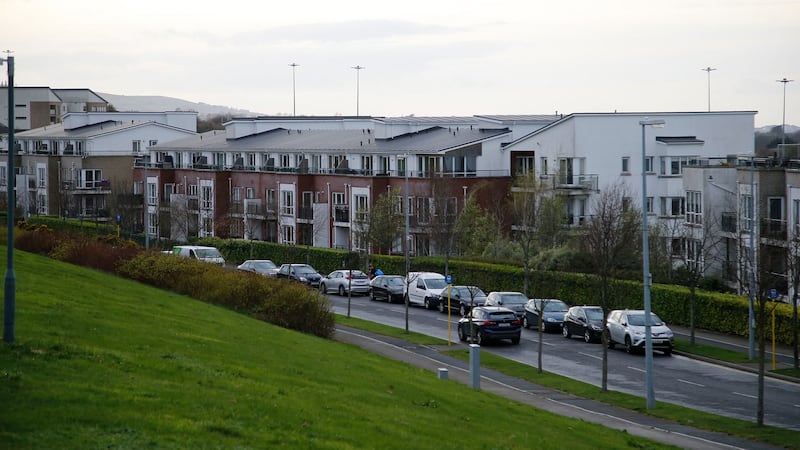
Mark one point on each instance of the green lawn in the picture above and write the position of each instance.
(102, 362)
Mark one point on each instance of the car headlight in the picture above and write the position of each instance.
(303, 279)
(551, 319)
(638, 333)
(597, 328)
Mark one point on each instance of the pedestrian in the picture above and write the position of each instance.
(371, 272)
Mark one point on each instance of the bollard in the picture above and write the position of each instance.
(442, 373)
(475, 365)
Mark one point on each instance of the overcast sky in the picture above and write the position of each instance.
(434, 57)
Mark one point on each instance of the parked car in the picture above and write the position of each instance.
(200, 253)
(260, 266)
(490, 323)
(344, 281)
(514, 301)
(552, 309)
(424, 288)
(586, 321)
(626, 327)
(300, 272)
(462, 298)
(391, 288)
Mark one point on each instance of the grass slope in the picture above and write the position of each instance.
(104, 362)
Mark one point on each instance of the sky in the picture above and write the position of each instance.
(422, 58)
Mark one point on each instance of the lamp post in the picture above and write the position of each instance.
(708, 70)
(783, 121)
(407, 238)
(294, 98)
(647, 279)
(9, 304)
(358, 83)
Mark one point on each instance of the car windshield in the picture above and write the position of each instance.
(357, 274)
(638, 320)
(435, 283)
(555, 306)
(304, 270)
(467, 292)
(594, 313)
(207, 253)
(502, 315)
(264, 265)
(514, 299)
(395, 281)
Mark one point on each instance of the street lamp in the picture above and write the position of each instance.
(9, 304)
(407, 237)
(358, 82)
(647, 279)
(783, 122)
(708, 70)
(294, 98)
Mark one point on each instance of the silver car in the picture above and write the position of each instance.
(343, 281)
(626, 327)
(260, 266)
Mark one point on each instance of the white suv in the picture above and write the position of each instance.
(424, 288)
(626, 327)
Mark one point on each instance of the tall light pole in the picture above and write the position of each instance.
(708, 70)
(407, 237)
(783, 121)
(358, 83)
(294, 98)
(9, 304)
(647, 279)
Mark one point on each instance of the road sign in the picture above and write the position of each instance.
(773, 293)
(448, 279)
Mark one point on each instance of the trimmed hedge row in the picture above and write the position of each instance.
(724, 313)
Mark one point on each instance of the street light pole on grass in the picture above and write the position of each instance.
(647, 279)
(9, 304)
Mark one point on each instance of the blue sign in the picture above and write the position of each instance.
(773, 293)
(448, 279)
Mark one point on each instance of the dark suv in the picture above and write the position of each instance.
(490, 323)
(300, 272)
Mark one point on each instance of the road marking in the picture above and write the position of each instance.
(590, 356)
(745, 395)
(692, 383)
(796, 406)
(636, 369)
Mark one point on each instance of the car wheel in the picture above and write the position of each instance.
(610, 343)
(322, 288)
(372, 296)
(565, 331)
(341, 291)
(461, 335)
(587, 337)
(406, 300)
(515, 340)
(628, 344)
(668, 352)
(479, 337)
(525, 323)
(426, 304)
(463, 310)
(442, 306)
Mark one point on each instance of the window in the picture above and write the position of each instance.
(236, 195)
(648, 164)
(429, 165)
(136, 146)
(152, 224)
(401, 167)
(694, 207)
(152, 142)
(366, 164)
(4, 175)
(649, 207)
(334, 161)
(270, 193)
(383, 164)
(626, 164)
(193, 190)
(287, 204)
(694, 260)
(287, 233)
(152, 194)
(362, 207)
(250, 193)
(285, 161)
(397, 203)
(169, 189)
(525, 165)
(673, 165)
(90, 178)
(746, 211)
(251, 160)
(207, 197)
(41, 177)
(543, 164)
(795, 214)
(219, 160)
(672, 206)
(424, 210)
(316, 163)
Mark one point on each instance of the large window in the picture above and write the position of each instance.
(672, 206)
(525, 165)
(626, 164)
(694, 207)
(287, 204)
(287, 234)
(673, 165)
(90, 178)
(746, 211)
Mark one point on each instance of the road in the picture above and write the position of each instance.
(677, 379)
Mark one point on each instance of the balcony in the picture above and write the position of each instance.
(574, 183)
(341, 213)
(728, 223)
(306, 213)
(773, 229)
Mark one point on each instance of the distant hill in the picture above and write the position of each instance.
(161, 103)
(768, 137)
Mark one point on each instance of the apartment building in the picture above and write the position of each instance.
(82, 167)
(39, 106)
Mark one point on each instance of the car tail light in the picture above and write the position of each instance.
(487, 323)
(517, 322)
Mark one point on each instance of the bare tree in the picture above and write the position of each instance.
(793, 270)
(611, 237)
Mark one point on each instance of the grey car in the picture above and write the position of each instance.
(514, 301)
(260, 266)
(343, 281)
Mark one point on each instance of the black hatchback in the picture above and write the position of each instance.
(490, 323)
(585, 321)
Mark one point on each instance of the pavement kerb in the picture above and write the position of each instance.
(736, 366)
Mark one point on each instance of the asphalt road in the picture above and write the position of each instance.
(677, 379)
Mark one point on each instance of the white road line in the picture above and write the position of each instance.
(692, 383)
(745, 395)
(796, 406)
(590, 356)
(636, 369)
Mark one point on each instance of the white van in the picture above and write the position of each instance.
(200, 253)
(424, 288)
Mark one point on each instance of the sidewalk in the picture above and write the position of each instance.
(429, 358)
